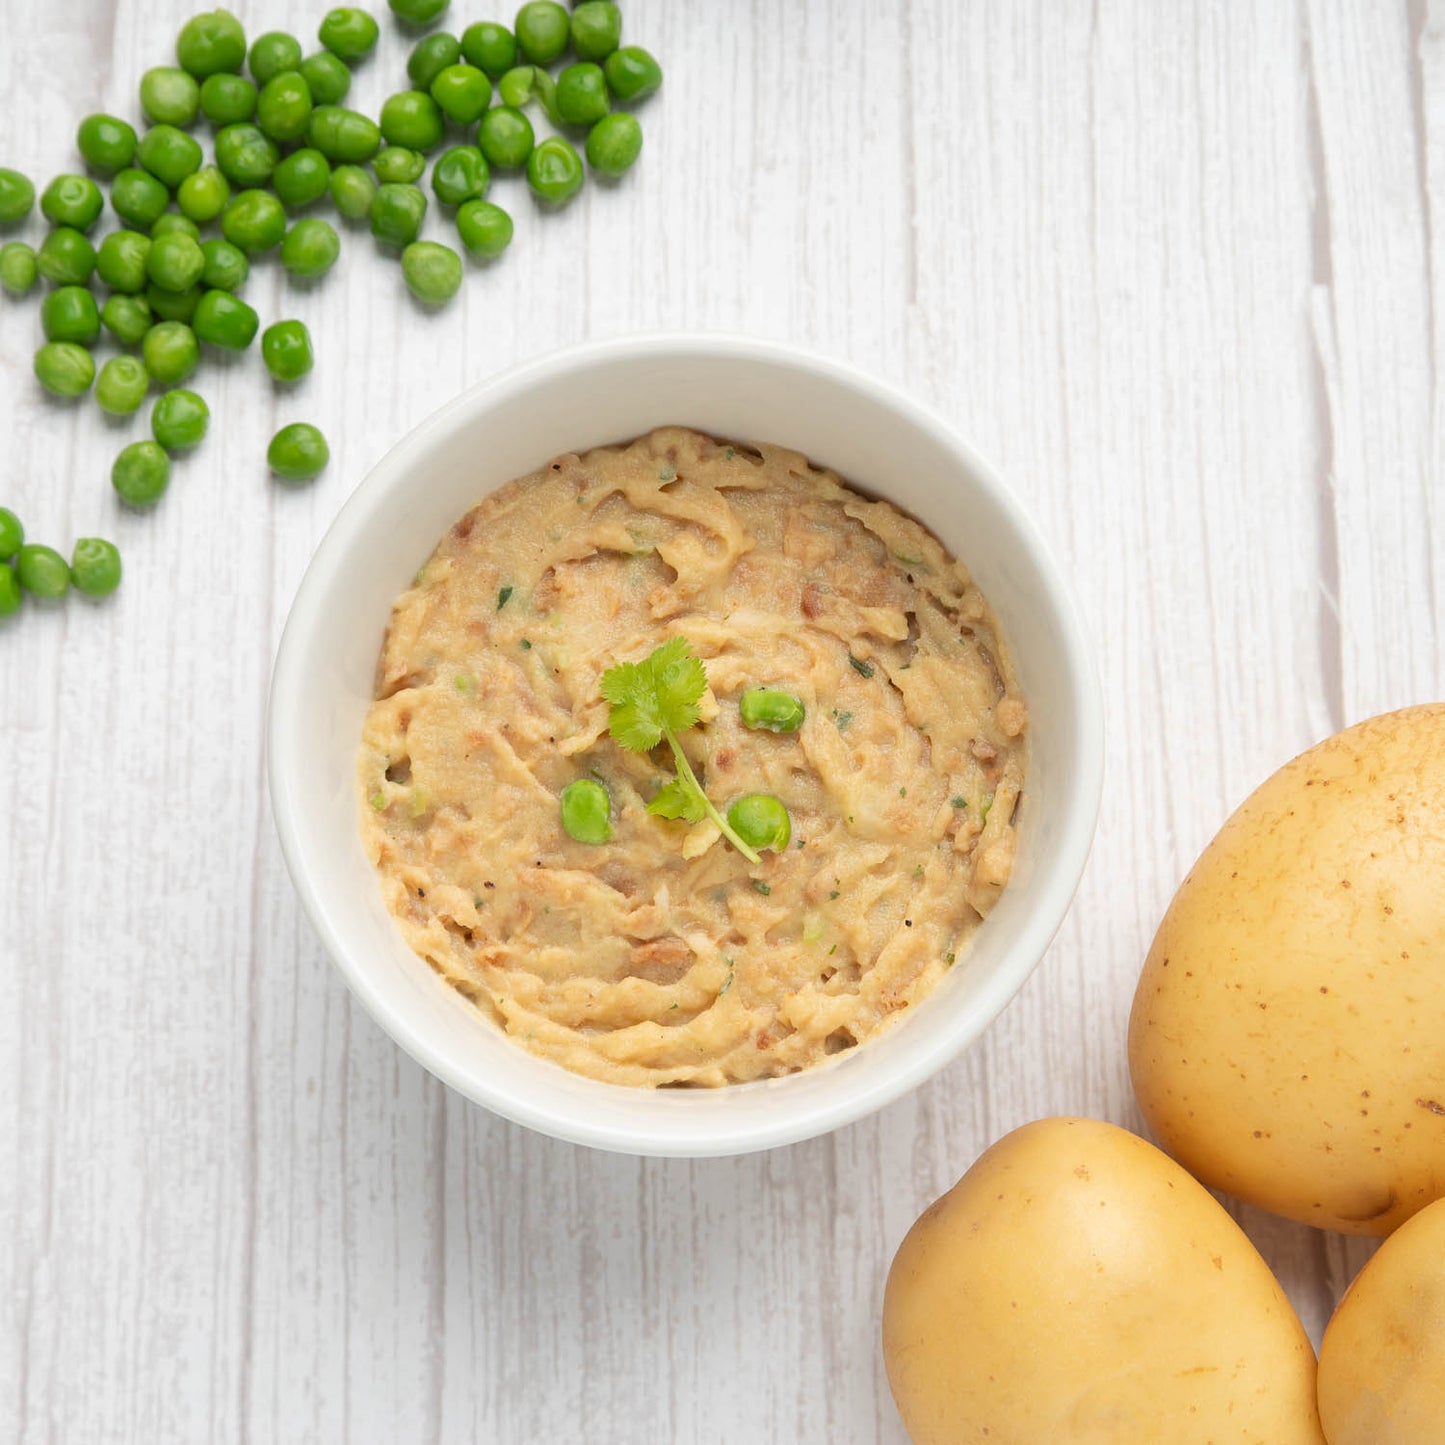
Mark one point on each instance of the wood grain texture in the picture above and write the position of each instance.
(1174, 267)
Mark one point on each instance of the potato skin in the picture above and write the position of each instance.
(1287, 1041)
(1077, 1285)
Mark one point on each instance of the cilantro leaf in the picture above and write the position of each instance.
(674, 800)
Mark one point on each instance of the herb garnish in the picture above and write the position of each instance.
(503, 596)
(864, 669)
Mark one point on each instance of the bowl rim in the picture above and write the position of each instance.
(1080, 810)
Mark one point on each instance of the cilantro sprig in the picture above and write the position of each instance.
(658, 698)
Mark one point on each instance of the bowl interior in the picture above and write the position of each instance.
(878, 441)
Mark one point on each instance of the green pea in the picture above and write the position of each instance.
(585, 808)
(430, 56)
(326, 77)
(310, 248)
(227, 99)
(554, 171)
(433, 272)
(65, 257)
(42, 571)
(255, 221)
(173, 305)
(12, 534)
(138, 198)
(173, 223)
(761, 821)
(352, 192)
(632, 73)
(246, 155)
(283, 109)
(169, 154)
(771, 709)
(175, 262)
(419, 13)
(64, 369)
(460, 174)
(17, 267)
(485, 229)
(120, 260)
(106, 142)
(505, 137)
(273, 53)
(169, 96)
(95, 565)
(122, 385)
(17, 196)
(396, 214)
(179, 420)
(545, 89)
(225, 320)
(614, 143)
(210, 43)
(397, 164)
(286, 350)
(170, 352)
(301, 178)
(203, 196)
(343, 135)
(9, 591)
(542, 30)
(349, 33)
(298, 452)
(72, 201)
(462, 93)
(413, 119)
(516, 87)
(127, 318)
(596, 29)
(492, 48)
(582, 94)
(141, 474)
(69, 313)
(226, 266)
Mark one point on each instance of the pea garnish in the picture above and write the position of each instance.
(585, 809)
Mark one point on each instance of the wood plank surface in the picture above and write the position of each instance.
(1173, 266)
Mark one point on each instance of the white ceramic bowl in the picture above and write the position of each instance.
(875, 438)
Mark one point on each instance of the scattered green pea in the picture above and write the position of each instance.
(462, 93)
(433, 272)
(771, 709)
(396, 214)
(413, 119)
(170, 352)
(582, 94)
(203, 196)
(545, 89)
(515, 88)
(17, 267)
(505, 137)
(122, 385)
(138, 198)
(596, 29)
(343, 135)
(245, 154)
(42, 571)
(9, 591)
(173, 223)
(542, 30)
(352, 192)
(64, 369)
(95, 566)
(169, 96)
(106, 142)
(228, 99)
(286, 350)
(169, 154)
(211, 42)
(349, 33)
(65, 257)
(12, 534)
(273, 53)
(127, 318)
(430, 56)
(17, 196)
(141, 474)
(485, 229)
(255, 221)
(69, 313)
(398, 164)
(419, 13)
(761, 821)
(460, 174)
(179, 420)
(586, 809)
(326, 77)
(298, 452)
(120, 260)
(72, 201)
(225, 320)
(173, 305)
(492, 48)
(283, 109)
(632, 73)
(554, 171)
(614, 144)
(175, 262)
(226, 265)
(310, 248)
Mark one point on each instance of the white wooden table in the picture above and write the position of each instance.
(1173, 265)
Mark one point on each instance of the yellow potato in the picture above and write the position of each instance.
(1288, 1035)
(1077, 1285)
(1382, 1363)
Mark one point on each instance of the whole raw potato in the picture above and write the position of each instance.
(1382, 1363)
(1288, 1035)
(1077, 1285)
